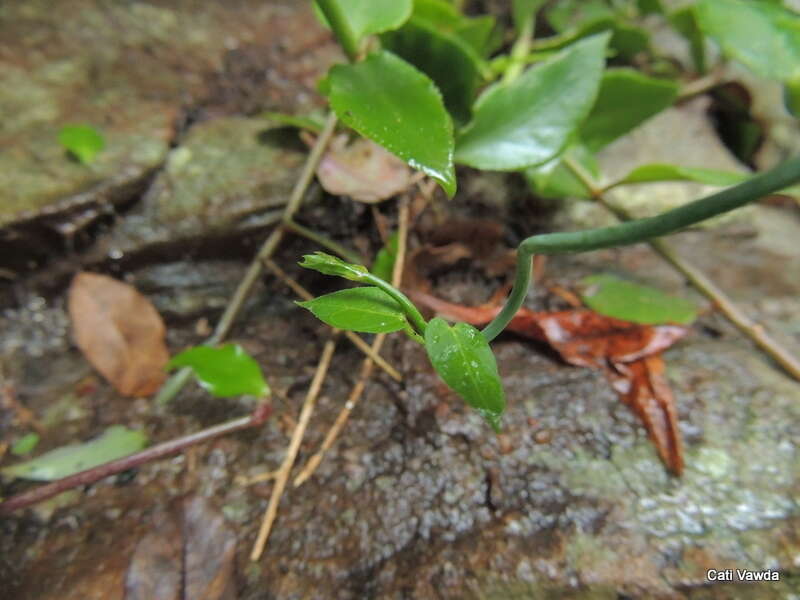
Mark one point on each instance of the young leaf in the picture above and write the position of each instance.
(116, 442)
(615, 297)
(463, 359)
(82, 141)
(625, 100)
(387, 100)
(764, 36)
(330, 265)
(384, 260)
(225, 371)
(364, 309)
(664, 172)
(530, 120)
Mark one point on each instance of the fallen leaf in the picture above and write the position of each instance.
(186, 555)
(643, 387)
(628, 353)
(362, 170)
(119, 332)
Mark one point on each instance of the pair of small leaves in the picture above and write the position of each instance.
(459, 354)
(514, 125)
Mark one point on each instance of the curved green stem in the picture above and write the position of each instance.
(632, 232)
(413, 314)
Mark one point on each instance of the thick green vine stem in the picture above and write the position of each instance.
(340, 26)
(632, 232)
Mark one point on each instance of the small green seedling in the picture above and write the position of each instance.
(83, 142)
(427, 90)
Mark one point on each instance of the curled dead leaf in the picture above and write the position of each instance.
(362, 170)
(119, 332)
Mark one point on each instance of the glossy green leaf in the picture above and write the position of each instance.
(554, 179)
(25, 444)
(116, 442)
(367, 17)
(225, 371)
(764, 36)
(450, 62)
(463, 359)
(614, 297)
(625, 100)
(665, 172)
(387, 100)
(82, 141)
(685, 22)
(531, 119)
(331, 265)
(364, 309)
(384, 260)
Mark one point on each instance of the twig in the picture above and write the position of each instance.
(366, 366)
(268, 248)
(357, 341)
(323, 241)
(294, 447)
(243, 480)
(43, 492)
(700, 281)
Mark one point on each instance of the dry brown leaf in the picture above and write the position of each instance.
(186, 556)
(362, 170)
(119, 332)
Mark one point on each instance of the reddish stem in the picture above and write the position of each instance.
(89, 476)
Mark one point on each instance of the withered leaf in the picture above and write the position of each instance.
(186, 555)
(642, 386)
(628, 353)
(119, 332)
(362, 170)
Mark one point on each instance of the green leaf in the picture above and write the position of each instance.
(25, 444)
(764, 36)
(625, 100)
(531, 119)
(330, 265)
(614, 297)
(224, 371)
(463, 359)
(389, 101)
(384, 260)
(685, 22)
(791, 97)
(82, 141)
(442, 16)
(452, 64)
(367, 17)
(665, 172)
(364, 309)
(116, 442)
(554, 179)
(567, 13)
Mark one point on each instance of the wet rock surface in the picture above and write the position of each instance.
(418, 498)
